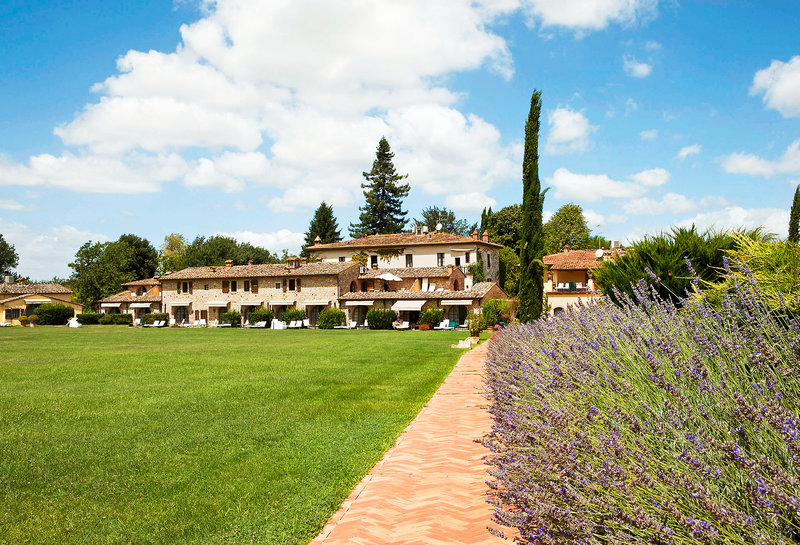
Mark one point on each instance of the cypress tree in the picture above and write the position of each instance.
(531, 278)
(794, 217)
(382, 213)
(324, 226)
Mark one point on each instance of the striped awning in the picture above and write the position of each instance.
(457, 302)
(408, 305)
(359, 303)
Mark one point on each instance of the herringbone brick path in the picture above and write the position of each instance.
(429, 487)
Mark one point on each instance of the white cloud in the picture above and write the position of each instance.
(652, 45)
(228, 172)
(686, 151)
(595, 187)
(276, 242)
(469, 203)
(653, 177)
(590, 14)
(752, 165)
(596, 220)
(43, 255)
(671, 203)
(651, 134)
(635, 68)
(631, 106)
(780, 84)
(14, 206)
(774, 220)
(568, 131)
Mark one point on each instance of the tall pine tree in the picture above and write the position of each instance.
(382, 213)
(324, 226)
(794, 218)
(531, 277)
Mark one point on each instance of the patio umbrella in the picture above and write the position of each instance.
(389, 277)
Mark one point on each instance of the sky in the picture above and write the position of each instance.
(238, 117)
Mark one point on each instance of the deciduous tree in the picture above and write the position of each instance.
(9, 258)
(433, 215)
(567, 227)
(170, 257)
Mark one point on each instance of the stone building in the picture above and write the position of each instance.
(139, 297)
(23, 298)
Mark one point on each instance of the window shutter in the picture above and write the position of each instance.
(284, 285)
(225, 286)
(298, 284)
(190, 287)
(196, 314)
(254, 285)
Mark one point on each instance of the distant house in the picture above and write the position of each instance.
(140, 297)
(23, 298)
(570, 276)
(418, 248)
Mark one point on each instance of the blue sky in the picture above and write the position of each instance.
(239, 117)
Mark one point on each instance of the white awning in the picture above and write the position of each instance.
(319, 303)
(251, 303)
(408, 305)
(180, 304)
(462, 250)
(281, 303)
(40, 301)
(104, 305)
(217, 304)
(359, 303)
(389, 277)
(456, 302)
(140, 305)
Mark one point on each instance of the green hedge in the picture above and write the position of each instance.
(496, 311)
(431, 316)
(260, 315)
(149, 318)
(89, 318)
(116, 319)
(330, 318)
(292, 315)
(381, 319)
(54, 314)
(231, 317)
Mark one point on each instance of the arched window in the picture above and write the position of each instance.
(364, 287)
(455, 284)
(457, 314)
(353, 286)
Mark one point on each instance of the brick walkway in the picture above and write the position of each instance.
(429, 487)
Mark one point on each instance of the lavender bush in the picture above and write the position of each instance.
(648, 423)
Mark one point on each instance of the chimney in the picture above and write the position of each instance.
(474, 234)
(317, 241)
(249, 261)
(319, 260)
(228, 263)
(566, 249)
(304, 261)
(485, 236)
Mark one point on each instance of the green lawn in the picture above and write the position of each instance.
(118, 435)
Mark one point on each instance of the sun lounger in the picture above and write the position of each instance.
(403, 325)
(343, 326)
(137, 322)
(296, 324)
(203, 322)
(444, 325)
(215, 323)
(278, 324)
(306, 323)
(259, 325)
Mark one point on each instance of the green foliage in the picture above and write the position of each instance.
(232, 317)
(509, 271)
(33, 319)
(23, 320)
(664, 255)
(105, 319)
(149, 318)
(292, 315)
(382, 213)
(504, 226)
(598, 241)
(381, 318)
(476, 269)
(92, 318)
(54, 314)
(434, 215)
(143, 256)
(431, 316)
(496, 310)
(260, 315)
(794, 217)
(170, 256)
(116, 319)
(330, 318)
(204, 252)
(324, 226)
(476, 324)
(531, 284)
(9, 258)
(567, 227)
(360, 257)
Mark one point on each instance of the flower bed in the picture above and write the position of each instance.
(646, 423)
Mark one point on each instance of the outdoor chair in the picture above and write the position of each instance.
(278, 324)
(403, 325)
(343, 326)
(296, 324)
(352, 325)
(259, 325)
(172, 322)
(215, 323)
(306, 323)
(444, 325)
(203, 322)
(137, 322)
(224, 325)
(247, 323)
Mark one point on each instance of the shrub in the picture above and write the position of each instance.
(54, 314)
(232, 317)
(424, 327)
(476, 324)
(330, 318)
(90, 318)
(149, 318)
(105, 319)
(23, 320)
(292, 315)
(431, 317)
(260, 315)
(649, 423)
(33, 319)
(378, 318)
(496, 311)
(121, 319)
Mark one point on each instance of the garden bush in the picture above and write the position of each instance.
(23, 320)
(292, 315)
(496, 311)
(232, 317)
(649, 422)
(105, 319)
(33, 319)
(54, 314)
(116, 319)
(378, 318)
(149, 318)
(475, 324)
(260, 315)
(90, 318)
(431, 316)
(330, 318)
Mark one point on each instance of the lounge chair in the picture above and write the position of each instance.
(403, 325)
(259, 325)
(296, 324)
(224, 324)
(306, 323)
(184, 323)
(343, 326)
(203, 322)
(215, 323)
(136, 323)
(247, 323)
(278, 324)
(444, 325)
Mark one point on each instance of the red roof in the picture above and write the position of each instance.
(401, 240)
(576, 260)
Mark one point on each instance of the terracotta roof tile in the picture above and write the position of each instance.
(411, 272)
(478, 291)
(578, 259)
(22, 288)
(401, 240)
(146, 282)
(129, 299)
(254, 271)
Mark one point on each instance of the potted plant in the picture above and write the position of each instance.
(33, 319)
(23, 320)
(475, 325)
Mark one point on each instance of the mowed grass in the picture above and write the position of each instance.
(215, 436)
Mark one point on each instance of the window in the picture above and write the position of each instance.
(458, 262)
(409, 260)
(233, 285)
(466, 258)
(277, 285)
(185, 287)
(353, 286)
(205, 287)
(488, 261)
(246, 285)
(291, 284)
(373, 261)
(341, 259)
(181, 314)
(440, 260)
(12, 313)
